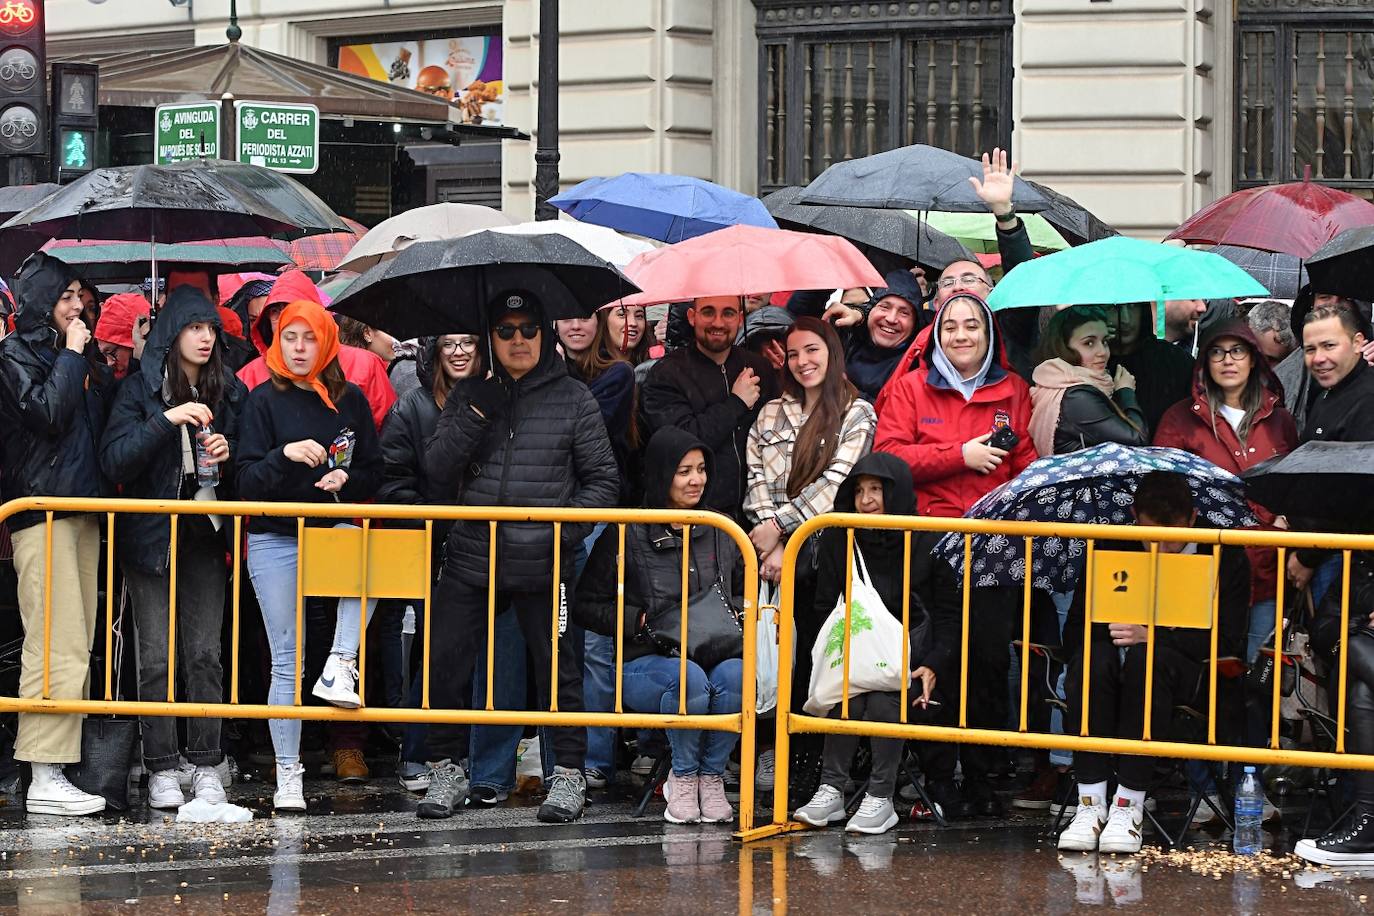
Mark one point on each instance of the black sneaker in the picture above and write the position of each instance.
(486, 796)
(1352, 846)
(945, 795)
(982, 798)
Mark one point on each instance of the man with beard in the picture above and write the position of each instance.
(713, 390)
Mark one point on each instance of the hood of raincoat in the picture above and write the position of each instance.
(186, 305)
(42, 280)
(899, 498)
(661, 458)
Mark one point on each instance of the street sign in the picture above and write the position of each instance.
(279, 136)
(188, 131)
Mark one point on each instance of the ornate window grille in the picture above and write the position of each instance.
(840, 80)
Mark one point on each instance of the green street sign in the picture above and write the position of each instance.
(279, 136)
(182, 132)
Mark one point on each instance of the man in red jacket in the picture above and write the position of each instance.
(960, 421)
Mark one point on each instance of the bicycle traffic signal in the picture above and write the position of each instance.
(23, 94)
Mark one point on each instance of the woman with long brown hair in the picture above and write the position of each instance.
(804, 444)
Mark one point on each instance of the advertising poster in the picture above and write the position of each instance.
(466, 71)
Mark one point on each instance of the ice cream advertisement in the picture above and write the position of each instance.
(465, 70)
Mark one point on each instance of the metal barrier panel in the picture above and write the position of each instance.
(1201, 612)
(363, 561)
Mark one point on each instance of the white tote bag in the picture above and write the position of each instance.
(875, 647)
(766, 649)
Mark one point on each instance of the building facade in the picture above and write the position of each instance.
(1143, 110)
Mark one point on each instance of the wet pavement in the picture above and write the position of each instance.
(362, 850)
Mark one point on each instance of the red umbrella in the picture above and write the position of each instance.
(1295, 218)
(322, 252)
(744, 260)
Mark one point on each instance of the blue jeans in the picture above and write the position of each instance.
(272, 567)
(1261, 628)
(651, 685)
(491, 748)
(1062, 602)
(598, 677)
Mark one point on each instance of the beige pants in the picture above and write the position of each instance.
(43, 737)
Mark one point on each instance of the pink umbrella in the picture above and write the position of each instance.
(745, 260)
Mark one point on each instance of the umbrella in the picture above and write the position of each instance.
(1344, 266)
(1094, 486)
(978, 231)
(1281, 274)
(745, 260)
(322, 252)
(1071, 218)
(1122, 270)
(669, 208)
(1322, 480)
(443, 287)
(423, 224)
(600, 241)
(114, 260)
(19, 197)
(890, 239)
(1295, 218)
(914, 177)
(334, 287)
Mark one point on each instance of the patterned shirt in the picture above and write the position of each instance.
(769, 459)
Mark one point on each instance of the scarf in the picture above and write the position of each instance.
(326, 334)
(1052, 378)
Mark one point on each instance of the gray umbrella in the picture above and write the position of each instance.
(19, 197)
(891, 239)
(1280, 273)
(912, 178)
(442, 287)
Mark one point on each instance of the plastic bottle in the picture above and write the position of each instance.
(207, 471)
(1248, 840)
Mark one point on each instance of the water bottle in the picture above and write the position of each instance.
(1247, 840)
(207, 471)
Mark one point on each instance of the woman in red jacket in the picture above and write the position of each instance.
(961, 422)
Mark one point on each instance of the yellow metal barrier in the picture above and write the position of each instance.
(368, 562)
(790, 723)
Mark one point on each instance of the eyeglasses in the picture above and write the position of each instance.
(1238, 353)
(466, 344)
(962, 280)
(528, 330)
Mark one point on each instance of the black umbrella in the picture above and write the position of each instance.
(1072, 219)
(911, 178)
(1344, 266)
(1322, 480)
(442, 287)
(307, 214)
(19, 197)
(890, 239)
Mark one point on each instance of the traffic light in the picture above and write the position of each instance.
(75, 109)
(23, 95)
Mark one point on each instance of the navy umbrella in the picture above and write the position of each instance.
(1094, 486)
(914, 177)
(669, 208)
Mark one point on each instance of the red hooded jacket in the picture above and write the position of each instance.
(1190, 425)
(361, 367)
(925, 422)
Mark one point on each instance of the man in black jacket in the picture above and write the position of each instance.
(1163, 372)
(713, 390)
(54, 394)
(527, 436)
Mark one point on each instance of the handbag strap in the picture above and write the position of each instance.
(861, 568)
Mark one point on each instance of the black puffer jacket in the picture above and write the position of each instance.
(1345, 411)
(408, 427)
(538, 441)
(53, 401)
(141, 450)
(934, 586)
(653, 557)
(690, 391)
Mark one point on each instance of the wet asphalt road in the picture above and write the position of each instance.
(364, 851)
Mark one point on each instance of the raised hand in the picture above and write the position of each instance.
(998, 181)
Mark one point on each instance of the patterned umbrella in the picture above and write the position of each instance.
(322, 252)
(1282, 274)
(1094, 486)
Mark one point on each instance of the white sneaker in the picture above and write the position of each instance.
(206, 786)
(338, 683)
(763, 772)
(290, 795)
(164, 792)
(1123, 831)
(226, 769)
(875, 815)
(1082, 833)
(51, 793)
(826, 807)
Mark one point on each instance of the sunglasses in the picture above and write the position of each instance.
(529, 330)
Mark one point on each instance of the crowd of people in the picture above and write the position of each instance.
(913, 398)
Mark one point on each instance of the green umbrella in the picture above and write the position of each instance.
(1121, 270)
(978, 231)
(100, 259)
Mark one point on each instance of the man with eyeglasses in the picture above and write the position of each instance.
(528, 435)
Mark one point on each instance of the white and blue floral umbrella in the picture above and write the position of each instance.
(1092, 486)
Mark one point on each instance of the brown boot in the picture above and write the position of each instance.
(350, 767)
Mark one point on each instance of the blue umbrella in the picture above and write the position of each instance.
(669, 208)
(1093, 486)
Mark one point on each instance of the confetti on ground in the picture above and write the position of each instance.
(1217, 862)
